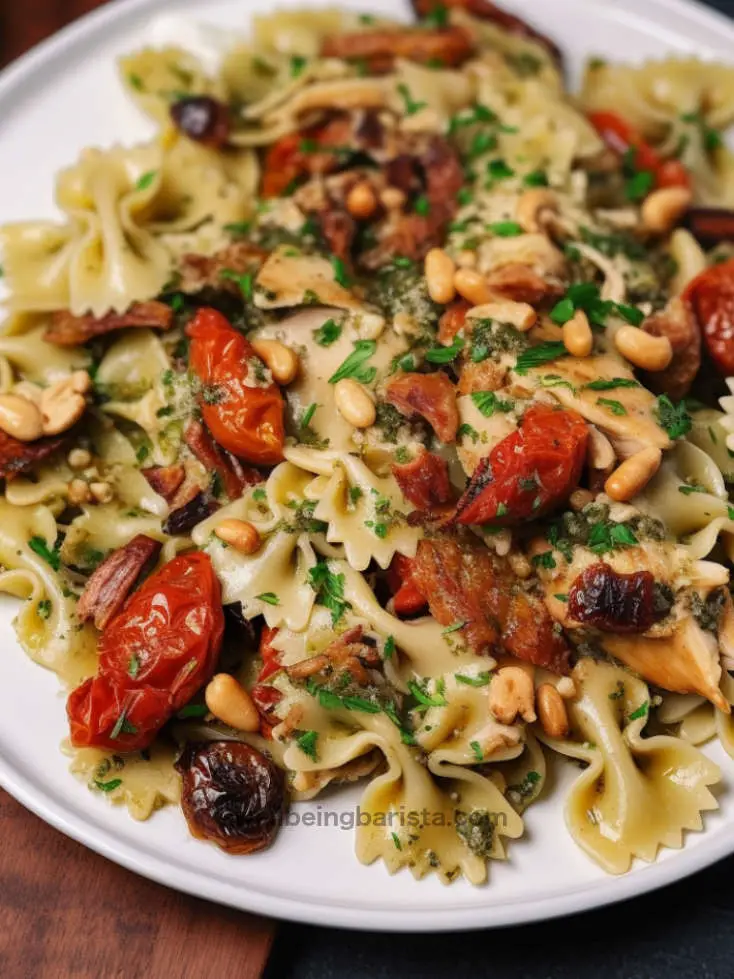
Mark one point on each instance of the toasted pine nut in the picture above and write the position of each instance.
(472, 286)
(20, 418)
(580, 498)
(78, 492)
(64, 403)
(79, 458)
(520, 315)
(439, 272)
(663, 208)
(511, 692)
(231, 703)
(520, 565)
(566, 687)
(29, 390)
(392, 199)
(282, 362)
(533, 207)
(642, 349)
(241, 534)
(307, 667)
(633, 475)
(102, 492)
(577, 335)
(354, 403)
(362, 200)
(551, 711)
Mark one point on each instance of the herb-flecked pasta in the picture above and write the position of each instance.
(373, 423)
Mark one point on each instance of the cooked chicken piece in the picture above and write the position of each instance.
(300, 280)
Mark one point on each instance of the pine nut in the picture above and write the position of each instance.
(580, 498)
(240, 534)
(511, 692)
(231, 703)
(20, 418)
(439, 272)
(64, 403)
(472, 286)
(642, 349)
(520, 565)
(600, 453)
(78, 492)
(354, 403)
(577, 336)
(534, 207)
(633, 475)
(79, 458)
(282, 362)
(393, 199)
(663, 208)
(466, 259)
(361, 200)
(520, 315)
(552, 711)
(102, 492)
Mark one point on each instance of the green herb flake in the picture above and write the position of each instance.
(192, 711)
(425, 699)
(411, 106)
(44, 608)
(307, 744)
(146, 180)
(354, 365)
(396, 841)
(389, 647)
(616, 407)
(480, 680)
(114, 783)
(477, 750)
(445, 355)
(422, 206)
(465, 430)
(328, 333)
(674, 418)
(611, 384)
(540, 354)
(639, 185)
(488, 403)
(52, 557)
(536, 178)
(688, 490)
(245, 281)
(506, 229)
(544, 560)
(329, 588)
(642, 711)
(298, 65)
(269, 597)
(453, 628)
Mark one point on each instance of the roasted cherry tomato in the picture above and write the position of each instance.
(528, 473)
(424, 481)
(283, 164)
(620, 137)
(244, 415)
(408, 599)
(711, 297)
(305, 153)
(153, 657)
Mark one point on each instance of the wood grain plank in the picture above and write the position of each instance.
(66, 912)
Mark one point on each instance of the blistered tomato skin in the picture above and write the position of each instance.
(614, 602)
(244, 414)
(153, 657)
(530, 472)
(711, 298)
(232, 795)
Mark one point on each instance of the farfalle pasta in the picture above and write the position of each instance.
(373, 423)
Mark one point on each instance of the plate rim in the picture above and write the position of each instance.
(44, 803)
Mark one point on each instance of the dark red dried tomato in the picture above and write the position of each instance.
(711, 297)
(408, 599)
(424, 481)
(232, 795)
(614, 602)
(528, 473)
(203, 119)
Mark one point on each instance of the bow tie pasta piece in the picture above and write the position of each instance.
(637, 794)
(157, 77)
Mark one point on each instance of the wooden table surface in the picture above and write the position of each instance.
(64, 911)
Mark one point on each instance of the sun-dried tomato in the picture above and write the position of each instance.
(711, 297)
(245, 418)
(614, 602)
(153, 657)
(112, 581)
(453, 319)
(432, 396)
(621, 137)
(528, 473)
(424, 481)
(408, 599)
(67, 330)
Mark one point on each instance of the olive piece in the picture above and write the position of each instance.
(203, 119)
(232, 795)
(614, 602)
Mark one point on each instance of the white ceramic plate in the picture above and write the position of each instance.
(65, 95)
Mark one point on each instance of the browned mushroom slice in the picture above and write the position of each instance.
(109, 586)
(67, 330)
(450, 46)
(485, 10)
(199, 272)
(235, 477)
(710, 225)
(678, 324)
(17, 457)
(232, 795)
(185, 517)
(165, 480)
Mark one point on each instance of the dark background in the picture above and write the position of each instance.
(116, 925)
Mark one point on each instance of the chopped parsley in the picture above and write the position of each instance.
(411, 106)
(586, 296)
(51, 556)
(122, 726)
(396, 841)
(245, 281)
(540, 354)
(499, 170)
(544, 560)
(114, 783)
(453, 628)
(192, 710)
(506, 229)
(536, 178)
(425, 699)
(608, 536)
(612, 383)
(468, 431)
(298, 65)
(329, 588)
(44, 608)
(269, 597)
(477, 750)
(389, 648)
(480, 680)
(145, 181)
(642, 711)
(422, 206)
(488, 403)
(308, 414)
(445, 355)
(674, 418)
(616, 407)
(354, 365)
(687, 490)
(307, 743)
(340, 272)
